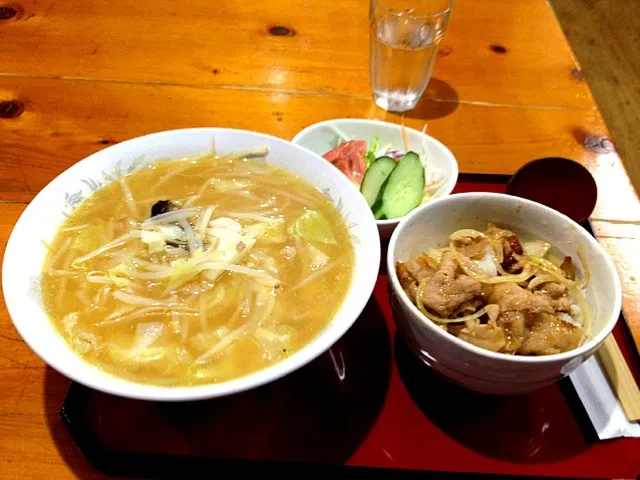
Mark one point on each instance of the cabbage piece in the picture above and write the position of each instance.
(89, 238)
(264, 262)
(276, 342)
(288, 252)
(157, 359)
(81, 341)
(120, 275)
(231, 244)
(183, 356)
(316, 258)
(154, 240)
(223, 369)
(268, 232)
(184, 267)
(84, 342)
(146, 334)
(201, 342)
(224, 186)
(312, 226)
(225, 223)
(69, 322)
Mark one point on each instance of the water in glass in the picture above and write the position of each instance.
(402, 57)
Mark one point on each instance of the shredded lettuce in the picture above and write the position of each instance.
(376, 151)
(370, 156)
(384, 150)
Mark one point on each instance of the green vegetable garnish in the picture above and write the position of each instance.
(370, 156)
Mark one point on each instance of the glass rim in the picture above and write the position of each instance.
(396, 13)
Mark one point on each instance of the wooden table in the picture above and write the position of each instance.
(77, 76)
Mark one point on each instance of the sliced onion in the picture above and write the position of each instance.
(488, 264)
(496, 242)
(536, 248)
(565, 317)
(497, 248)
(585, 267)
(436, 255)
(539, 280)
(464, 263)
(466, 233)
(548, 267)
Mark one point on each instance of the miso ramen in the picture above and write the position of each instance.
(197, 271)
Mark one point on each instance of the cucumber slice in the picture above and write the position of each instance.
(378, 212)
(404, 188)
(374, 178)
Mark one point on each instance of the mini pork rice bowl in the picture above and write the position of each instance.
(198, 270)
(500, 293)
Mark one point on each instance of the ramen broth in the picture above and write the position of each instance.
(242, 265)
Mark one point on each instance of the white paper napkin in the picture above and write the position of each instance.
(601, 404)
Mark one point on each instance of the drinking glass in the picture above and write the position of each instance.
(404, 38)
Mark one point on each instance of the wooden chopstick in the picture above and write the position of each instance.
(620, 378)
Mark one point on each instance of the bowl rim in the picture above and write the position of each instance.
(451, 159)
(581, 351)
(141, 391)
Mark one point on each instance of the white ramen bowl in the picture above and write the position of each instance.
(25, 253)
(462, 362)
(438, 160)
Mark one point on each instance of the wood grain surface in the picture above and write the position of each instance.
(66, 120)
(79, 75)
(490, 53)
(604, 37)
